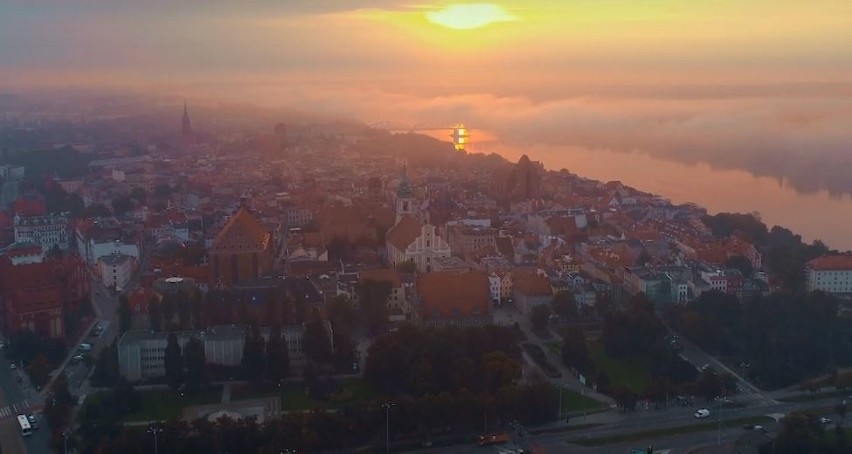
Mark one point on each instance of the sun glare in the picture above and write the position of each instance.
(469, 16)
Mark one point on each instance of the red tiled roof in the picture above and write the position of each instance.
(831, 263)
(531, 284)
(404, 232)
(381, 275)
(448, 294)
(244, 230)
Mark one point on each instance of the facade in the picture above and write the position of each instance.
(446, 298)
(141, 354)
(37, 296)
(410, 241)
(465, 240)
(402, 293)
(297, 216)
(530, 290)
(242, 250)
(830, 273)
(116, 270)
(47, 231)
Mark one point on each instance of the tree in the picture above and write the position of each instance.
(173, 362)
(106, 368)
(124, 315)
(124, 397)
(58, 403)
(277, 356)
(253, 356)
(167, 311)
(564, 305)
(740, 263)
(539, 316)
(196, 363)
(39, 370)
(575, 351)
(154, 314)
(373, 297)
(800, 433)
(644, 258)
(315, 341)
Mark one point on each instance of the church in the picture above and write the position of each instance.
(410, 240)
(242, 250)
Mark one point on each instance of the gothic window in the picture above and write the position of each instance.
(235, 273)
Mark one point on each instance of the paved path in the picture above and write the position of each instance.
(226, 393)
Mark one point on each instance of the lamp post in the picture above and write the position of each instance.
(744, 365)
(65, 441)
(387, 406)
(154, 430)
(559, 387)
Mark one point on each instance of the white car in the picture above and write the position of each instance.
(702, 413)
(824, 420)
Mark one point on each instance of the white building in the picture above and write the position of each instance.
(410, 241)
(116, 270)
(830, 273)
(495, 285)
(46, 231)
(141, 354)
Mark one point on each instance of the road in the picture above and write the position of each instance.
(620, 424)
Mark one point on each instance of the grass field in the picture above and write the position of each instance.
(630, 372)
(573, 401)
(159, 405)
(658, 433)
(294, 398)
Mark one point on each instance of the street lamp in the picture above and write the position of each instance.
(65, 441)
(387, 405)
(559, 387)
(154, 430)
(744, 365)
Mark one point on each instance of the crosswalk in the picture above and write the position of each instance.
(14, 409)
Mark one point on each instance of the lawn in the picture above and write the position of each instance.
(630, 372)
(294, 398)
(668, 431)
(555, 347)
(573, 401)
(163, 404)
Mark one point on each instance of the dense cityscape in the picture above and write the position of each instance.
(334, 286)
(455, 226)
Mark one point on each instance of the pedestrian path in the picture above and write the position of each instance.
(14, 409)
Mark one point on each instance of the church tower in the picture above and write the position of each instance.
(185, 125)
(406, 204)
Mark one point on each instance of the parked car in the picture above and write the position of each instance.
(13, 366)
(824, 420)
(33, 421)
(85, 347)
(702, 413)
(756, 428)
(78, 357)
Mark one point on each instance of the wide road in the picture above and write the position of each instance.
(17, 397)
(639, 422)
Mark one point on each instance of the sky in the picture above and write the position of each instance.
(721, 80)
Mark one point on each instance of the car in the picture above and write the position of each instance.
(13, 366)
(756, 428)
(33, 421)
(824, 420)
(85, 347)
(78, 358)
(702, 413)
(704, 368)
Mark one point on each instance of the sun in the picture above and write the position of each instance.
(469, 16)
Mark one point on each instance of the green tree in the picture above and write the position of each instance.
(373, 297)
(564, 305)
(39, 370)
(154, 317)
(173, 362)
(58, 404)
(106, 368)
(740, 263)
(800, 433)
(124, 397)
(315, 341)
(124, 315)
(575, 351)
(539, 316)
(277, 356)
(253, 356)
(196, 365)
(644, 258)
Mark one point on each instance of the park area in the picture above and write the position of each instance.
(296, 397)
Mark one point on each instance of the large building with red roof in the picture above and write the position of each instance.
(830, 273)
(243, 250)
(448, 298)
(38, 295)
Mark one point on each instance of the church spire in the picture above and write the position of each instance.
(404, 190)
(185, 125)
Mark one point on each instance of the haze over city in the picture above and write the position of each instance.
(437, 225)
